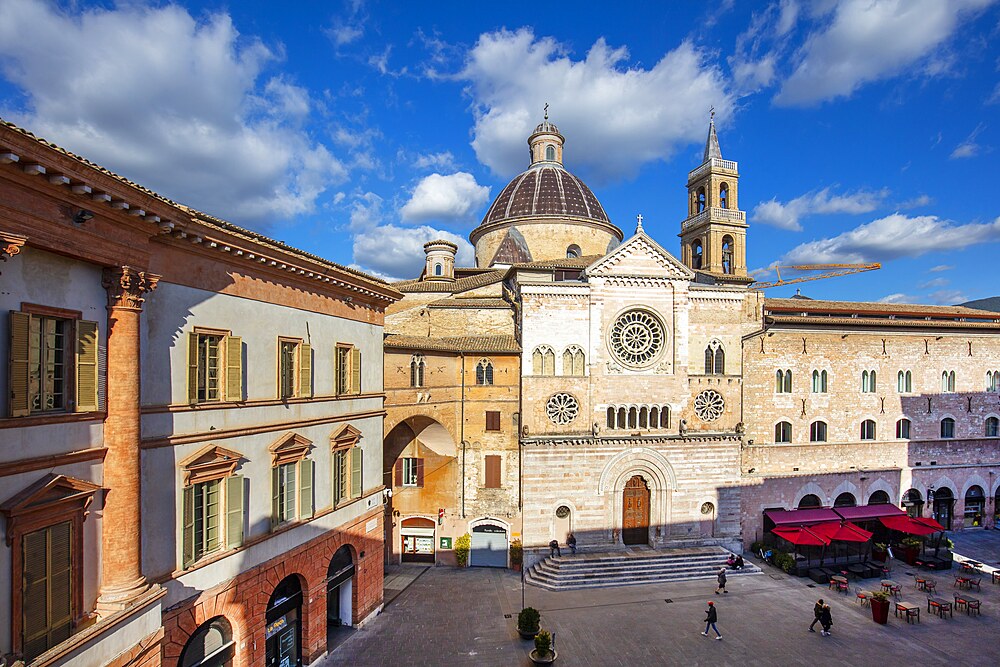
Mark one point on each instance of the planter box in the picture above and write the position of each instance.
(880, 611)
(909, 554)
(879, 556)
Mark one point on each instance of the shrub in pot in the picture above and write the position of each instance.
(527, 622)
(543, 653)
(462, 547)
(516, 555)
(880, 551)
(880, 607)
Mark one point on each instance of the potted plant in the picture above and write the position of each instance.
(880, 551)
(527, 622)
(516, 555)
(462, 547)
(910, 549)
(543, 653)
(880, 607)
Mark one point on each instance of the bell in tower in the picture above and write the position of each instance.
(713, 236)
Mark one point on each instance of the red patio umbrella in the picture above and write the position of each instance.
(801, 536)
(845, 531)
(930, 523)
(906, 524)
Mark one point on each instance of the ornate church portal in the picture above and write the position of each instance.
(635, 511)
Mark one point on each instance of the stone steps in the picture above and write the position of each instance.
(625, 568)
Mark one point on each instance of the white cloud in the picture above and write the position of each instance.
(934, 282)
(892, 237)
(948, 297)
(969, 147)
(616, 117)
(398, 252)
(443, 161)
(177, 104)
(917, 202)
(869, 40)
(940, 267)
(897, 297)
(787, 216)
(456, 197)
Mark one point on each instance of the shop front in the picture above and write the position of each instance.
(283, 630)
(417, 536)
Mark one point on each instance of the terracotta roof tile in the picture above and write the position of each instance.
(484, 344)
(486, 303)
(819, 320)
(454, 287)
(911, 311)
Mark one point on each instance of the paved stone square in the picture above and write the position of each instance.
(456, 617)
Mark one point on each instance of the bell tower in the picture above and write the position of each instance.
(713, 236)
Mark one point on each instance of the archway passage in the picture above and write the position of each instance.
(944, 503)
(635, 511)
(810, 501)
(975, 506)
(339, 596)
(283, 631)
(211, 645)
(913, 503)
(489, 546)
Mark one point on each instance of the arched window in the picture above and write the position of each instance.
(417, 370)
(715, 358)
(783, 382)
(947, 427)
(701, 199)
(621, 418)
(696, 255)
(727, 254)
(868, 382)
(550, 152)
(783, 432)
(654, 417)
(211, 645)
(611, 417)
(633, 418)
(948, 382)
(992, 427)
(665, 416)
(845, 500)
(819, 382)
(573, 251)
(913, 503)
(809, 501)
(543, 361)
(904, 382)
(993, 381)
(868, 429)
(817, 431)
(484, 372)
(437, 270)
(573, 361)
(903, 429)
(724, 195)
(878, 498)
(643, 417)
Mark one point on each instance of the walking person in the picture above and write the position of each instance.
(711, 616)
(826, 618)
(817, 613)
(722, 582)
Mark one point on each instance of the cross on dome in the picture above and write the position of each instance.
(638, 227)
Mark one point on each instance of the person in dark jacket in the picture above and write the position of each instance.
(571, 542)
(722, 582)
(738, 565)
(711, 616)
(554, 549)
(826, 618)
(817, 612)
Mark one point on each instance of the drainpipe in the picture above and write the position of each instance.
(462, 431)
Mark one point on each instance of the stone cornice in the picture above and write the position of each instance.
(625, 441)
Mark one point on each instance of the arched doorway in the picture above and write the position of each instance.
(211, 645)
(975, 506)
(944, 503)
(635, 511)
(878, 498)
(845, 500)
(913, 503)
(417, 540)
(563, 524)
(489, 546)
(810, 501)
(339, 595)
(283, 632)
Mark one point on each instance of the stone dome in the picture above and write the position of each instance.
(545, 190)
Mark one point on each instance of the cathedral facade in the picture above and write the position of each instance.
(647, 398)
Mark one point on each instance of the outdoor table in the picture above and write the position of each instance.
(909, 611)
(962, 582)
(858, 570)
(890, 586)
(940, 606)
(969, 603)
(840, 581)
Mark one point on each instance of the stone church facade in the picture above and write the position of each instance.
(648, 408)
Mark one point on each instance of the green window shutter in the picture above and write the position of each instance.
(192, 388)
(187, 529)
(20, 336)
(86, 366)
(60, 582)
(356, 456)
(336, 369)
(305, 370)
(275, 496)
(355, 370)
(306, 488)
(234, 511)
(234, 368)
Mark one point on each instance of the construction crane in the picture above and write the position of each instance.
(832, 271)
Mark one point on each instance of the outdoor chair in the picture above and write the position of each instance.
(930, 585)
(975, 582)
(861, 596)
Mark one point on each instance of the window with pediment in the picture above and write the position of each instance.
(213, 504)
(291, 480)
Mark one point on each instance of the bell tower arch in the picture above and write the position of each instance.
(713, 236)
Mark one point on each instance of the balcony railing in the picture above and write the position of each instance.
(718, 163)
(715, 213)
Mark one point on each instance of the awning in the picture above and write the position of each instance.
(868, 512)
(801, 536)
(801, 517)
(842, 532)
(906, 524)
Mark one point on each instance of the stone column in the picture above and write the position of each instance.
(121, 555)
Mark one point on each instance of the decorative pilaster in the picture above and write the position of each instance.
(121, 556)
(10, 245)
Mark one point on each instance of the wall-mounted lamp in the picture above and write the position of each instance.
(82, 216)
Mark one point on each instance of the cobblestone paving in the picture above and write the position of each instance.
(456, 617)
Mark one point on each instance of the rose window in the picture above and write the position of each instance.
(637, 338)
(562, 409)
(709, 404)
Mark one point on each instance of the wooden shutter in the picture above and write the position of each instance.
(305, 489)
(192, 367)
(20, 336)
(86, 366)
(492, 472)
(492, 420)
(60, 582)
(187, 528)
(234, 368)
(305, 370)
(234, 511)
(398, 473)
(356, 456)
(355, 370)
(275, 496)
(420, 471)
(336, 369)
(47, 588)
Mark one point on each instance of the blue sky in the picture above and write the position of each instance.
(866, 130)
